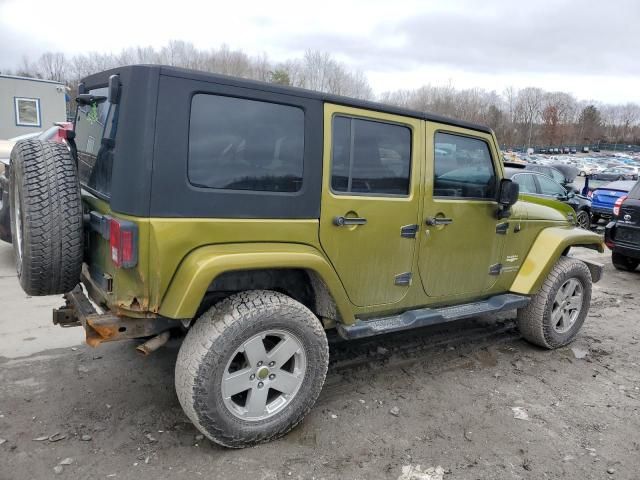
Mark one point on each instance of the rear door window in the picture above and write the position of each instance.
(370, 157)
(95, 128)
(243, 144)
(526, 182)
(549, 187)
(557, 175)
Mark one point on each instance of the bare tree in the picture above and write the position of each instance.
(527, 116)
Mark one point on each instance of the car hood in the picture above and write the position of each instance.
(531, 207)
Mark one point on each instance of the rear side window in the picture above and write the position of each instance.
(95, 128)
(462, 167)
(370, 157)
(550, 187)
(526, 182)
(241, 144)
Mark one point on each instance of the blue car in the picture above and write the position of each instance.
(603, 198)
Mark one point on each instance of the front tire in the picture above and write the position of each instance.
(556, 313)
(251, 368)
(583, 219)
(624, 263)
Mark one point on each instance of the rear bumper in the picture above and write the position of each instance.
(602, 211)
(627, 249)
(105, 326)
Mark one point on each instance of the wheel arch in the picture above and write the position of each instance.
(209, 274)
(549, 246)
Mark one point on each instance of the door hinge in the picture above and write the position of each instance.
(502, 228)
(403, 279)
(495, 269)
(409, 231)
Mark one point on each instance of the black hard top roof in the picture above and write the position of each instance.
(295, 91)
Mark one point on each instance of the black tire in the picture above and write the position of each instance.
(213, 341)
(583, 219)
(534, 320)
(624, 263)
(47, 233)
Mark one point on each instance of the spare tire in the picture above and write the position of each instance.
(46, 214)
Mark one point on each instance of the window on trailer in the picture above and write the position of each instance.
(27, 112)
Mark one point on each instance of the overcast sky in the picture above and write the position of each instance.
(589, 48)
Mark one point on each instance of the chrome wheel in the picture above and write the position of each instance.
(263, 375)
(584, 220)
(17, 222)
(566, 306)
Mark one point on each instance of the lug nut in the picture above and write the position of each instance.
(260, 384)
(252, 377)
(271, 364)
(260, 363)
(272, 376)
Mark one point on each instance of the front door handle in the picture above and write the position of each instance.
(433, 221)
(348, 221)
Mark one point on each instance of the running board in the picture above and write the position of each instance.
(431, 316)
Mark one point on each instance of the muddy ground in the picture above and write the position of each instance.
(457, 389)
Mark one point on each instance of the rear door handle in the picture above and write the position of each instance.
(432, 221)
(348, 221)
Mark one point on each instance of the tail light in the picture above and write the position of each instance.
(617, 205)
(123, 243)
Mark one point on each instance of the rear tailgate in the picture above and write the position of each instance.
(628, 224)
(605, 198)
(114, 269)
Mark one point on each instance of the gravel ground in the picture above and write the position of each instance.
(471, 398)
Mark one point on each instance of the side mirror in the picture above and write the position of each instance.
(507, 196)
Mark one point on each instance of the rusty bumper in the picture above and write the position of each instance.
(105, 327)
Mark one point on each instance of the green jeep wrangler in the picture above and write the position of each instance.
(252, 218)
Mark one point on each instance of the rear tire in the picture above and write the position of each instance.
(556, 313)
(46, 216)
(624, 263)
(226, 363)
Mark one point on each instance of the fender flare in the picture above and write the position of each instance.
(201, 266)
(550, 244)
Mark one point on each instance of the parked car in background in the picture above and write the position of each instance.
(615, 173)
(632, 169)
(603, 198)
(573, 150)
(622, 234)
(540, 185)
(563, 174)
(566, 150)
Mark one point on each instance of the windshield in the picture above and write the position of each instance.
(95, 128)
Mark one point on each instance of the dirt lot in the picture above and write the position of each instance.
(457, 392)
